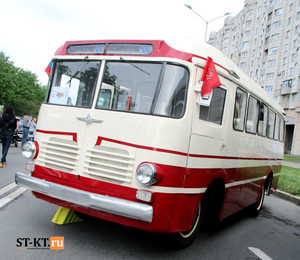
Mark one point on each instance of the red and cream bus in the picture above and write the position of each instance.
(125, 135)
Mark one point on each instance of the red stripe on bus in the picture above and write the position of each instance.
(100, 139)
(74, 135)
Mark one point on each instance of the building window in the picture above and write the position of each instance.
(271, 63)
(287, 83)
(243, 65)
(270, 76)
(275, 37)
(244, 54)
(273, 50)
(284, 61)
(248, 23)
(278, 11)
(270, 16)
(246, 44)
(269, 89)
(277, 24)
(247, 33)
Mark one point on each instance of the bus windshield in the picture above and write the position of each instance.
(151, 88)
(74, 83)
(139, 87)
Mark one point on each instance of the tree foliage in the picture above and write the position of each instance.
(19, 88)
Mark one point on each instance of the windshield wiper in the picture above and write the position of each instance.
(122, 59)
(79, 71)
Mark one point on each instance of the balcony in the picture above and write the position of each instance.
(285, 91)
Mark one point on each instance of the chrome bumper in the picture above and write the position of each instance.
(126, 208)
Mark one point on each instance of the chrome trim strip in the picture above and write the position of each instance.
(121, 207)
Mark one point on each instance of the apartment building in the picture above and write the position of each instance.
(264, 41)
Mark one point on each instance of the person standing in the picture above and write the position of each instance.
(32, 127)
(26, 121)
(8, 125)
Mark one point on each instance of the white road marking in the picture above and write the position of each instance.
(7, 188)
(259, 253)
(10, 197)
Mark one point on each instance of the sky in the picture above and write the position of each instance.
(32, 30)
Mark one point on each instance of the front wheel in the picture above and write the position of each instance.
(182, 240)
(256, 207)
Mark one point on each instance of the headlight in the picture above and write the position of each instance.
(146, 174)
(29, 150)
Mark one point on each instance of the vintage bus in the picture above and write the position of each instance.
(125, 135)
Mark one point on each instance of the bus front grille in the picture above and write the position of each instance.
(59, 154)
(109, 164)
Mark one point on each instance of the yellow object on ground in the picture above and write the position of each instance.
(65, 216)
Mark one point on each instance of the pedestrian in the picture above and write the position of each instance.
(26, 121)
(32, 127)
(8, 124)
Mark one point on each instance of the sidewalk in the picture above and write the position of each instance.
(285, 195)
(291, 164)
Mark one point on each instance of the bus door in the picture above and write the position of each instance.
(208, 137)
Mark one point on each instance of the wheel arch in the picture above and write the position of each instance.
(212, 200)
(268, 183)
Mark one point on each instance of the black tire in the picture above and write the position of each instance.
(256, 207)
(182, 240)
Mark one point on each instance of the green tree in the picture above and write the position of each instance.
(19, 88)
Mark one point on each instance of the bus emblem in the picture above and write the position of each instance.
(89, 120)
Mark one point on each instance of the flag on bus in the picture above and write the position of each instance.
(48, 69)
(210, 78)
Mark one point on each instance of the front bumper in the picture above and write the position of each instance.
(121, 207)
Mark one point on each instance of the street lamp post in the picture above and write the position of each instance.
(206, 22)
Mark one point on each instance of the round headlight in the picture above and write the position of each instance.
(146, 174)
(29, 150)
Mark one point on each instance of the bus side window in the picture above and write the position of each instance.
(252, 116)
(262, 120)
(240, 110)
(271, 123)
(276, 133)
(281, 130)
(214, 112)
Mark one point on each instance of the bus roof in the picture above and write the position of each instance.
(183, 49)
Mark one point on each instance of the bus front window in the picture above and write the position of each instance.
(74, 83)
(148, 88)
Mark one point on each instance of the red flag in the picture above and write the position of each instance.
(48, 69)
(210, 78)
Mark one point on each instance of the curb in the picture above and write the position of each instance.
(287, 196)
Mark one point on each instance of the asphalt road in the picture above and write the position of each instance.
(275, 234)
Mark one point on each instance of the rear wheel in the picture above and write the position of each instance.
(256, 207)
